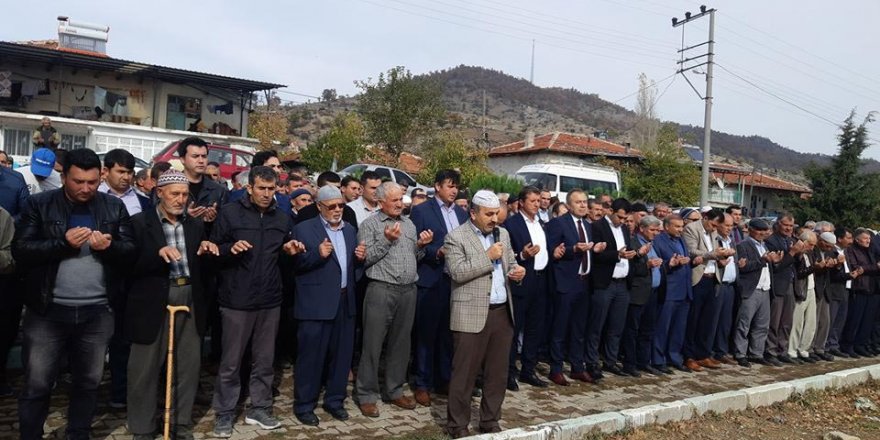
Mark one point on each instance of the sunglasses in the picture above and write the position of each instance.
(333, 206)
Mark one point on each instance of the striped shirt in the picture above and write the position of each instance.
(174, 238)
(390, 262)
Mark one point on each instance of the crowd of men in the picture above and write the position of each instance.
(360, 280)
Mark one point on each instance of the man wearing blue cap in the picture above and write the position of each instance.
(41, 175)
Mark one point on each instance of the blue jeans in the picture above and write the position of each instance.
(81, 334)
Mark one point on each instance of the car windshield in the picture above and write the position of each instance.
(543, 181)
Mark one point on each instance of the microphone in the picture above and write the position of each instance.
(496, 234)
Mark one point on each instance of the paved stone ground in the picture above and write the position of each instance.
(527, 407)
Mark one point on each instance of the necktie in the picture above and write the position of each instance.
(585, 257)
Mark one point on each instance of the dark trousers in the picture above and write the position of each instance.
(702, 319)
(119, 352)
(486, 351)
(530, 314)
(607, 319)
(670, 331)
(80, 334)
(569, 324)
(838, 309)
(433, 357)
(823, 323)
(324, 358)
(724, 334)
(240, 327)
(10, 318)
(781, 315)
(860, 321)
(148, 361)
(638, 335)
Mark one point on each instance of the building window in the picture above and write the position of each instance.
(182, 111)
(72, 142)
(17, 142)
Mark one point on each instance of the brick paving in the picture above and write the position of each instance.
(526, 407)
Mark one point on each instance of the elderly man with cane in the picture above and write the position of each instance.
(166, 278)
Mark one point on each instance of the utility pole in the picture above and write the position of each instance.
(709, 63)
(532, 73)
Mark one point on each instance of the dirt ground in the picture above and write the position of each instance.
(808, 416)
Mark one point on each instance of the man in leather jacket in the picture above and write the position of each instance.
(73, 242)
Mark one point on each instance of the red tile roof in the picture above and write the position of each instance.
(567, 143)
(762, 181)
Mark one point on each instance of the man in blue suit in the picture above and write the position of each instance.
(529, 242)
(569, 237)
(326, 318)
(433, 357)
(671, 324)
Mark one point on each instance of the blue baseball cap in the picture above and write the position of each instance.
(42, 162)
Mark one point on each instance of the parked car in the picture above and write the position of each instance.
(387, 173)
(232, 158)
(560, 178)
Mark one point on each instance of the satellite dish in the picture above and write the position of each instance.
(719, 182)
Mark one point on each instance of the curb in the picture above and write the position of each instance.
(684, 409)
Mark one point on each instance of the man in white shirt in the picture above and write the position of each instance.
(803, 326)
(366, 205)
(41, 175)
(841, 283)
(753, 318)
(721, 349)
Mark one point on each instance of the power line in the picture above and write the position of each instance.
(774, 95)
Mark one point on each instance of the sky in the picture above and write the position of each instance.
(788, 70)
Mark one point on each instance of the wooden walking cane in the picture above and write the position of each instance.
(172, 310)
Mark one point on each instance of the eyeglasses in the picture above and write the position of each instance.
(333, 206)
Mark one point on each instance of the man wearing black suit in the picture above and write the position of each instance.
(782, 286)
(529, 242)
(753, 284)
(433, 356)
(827, 255)
(610, 297)
(170, 248)
(570, 238)
(644, 283)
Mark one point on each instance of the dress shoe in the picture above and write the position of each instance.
(490, 429)
(743, 362)
(404, 402)
(461, 433)
(786, 359)
(852, 354)
(683, 368)
(342, 415)
(423, 397)
(809, 359)
(631, 371)
(533, 380)
(511, 384)
(825, 357)
(651, 370)
(595, 372)
(693, 365)
(369, 409)
(862, 352)
(838, 353)
(307, 418)
(558, 379)
(709, 363)
(614, 369)
(728, 360)
(582, 376)
(664, 369)
(770, 361)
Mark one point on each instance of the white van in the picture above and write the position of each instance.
(560, 178)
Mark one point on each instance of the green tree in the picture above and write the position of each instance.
(451, 150)
(268, 126)
(344, 142)
(666, 173)
(842, 193)
(399, 109)
(499, 184)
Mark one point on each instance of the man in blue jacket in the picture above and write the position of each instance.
(433, 357)
(325, 308)
(671, 323)
(250, 235)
